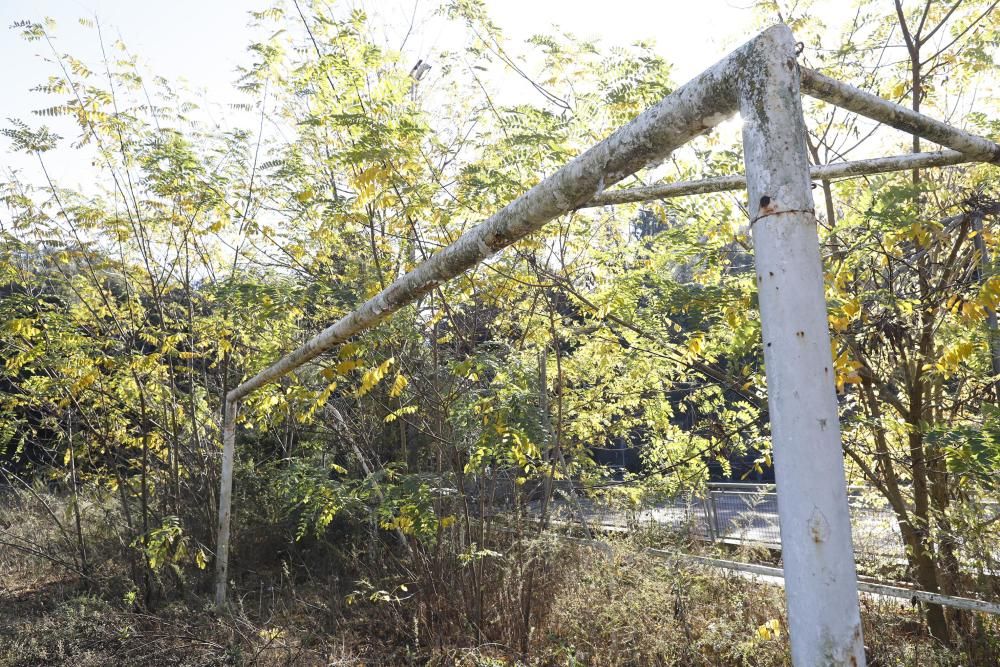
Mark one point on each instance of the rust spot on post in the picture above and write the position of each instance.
(769, 207)
(819, 527)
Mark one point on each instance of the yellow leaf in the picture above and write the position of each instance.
(696, 344)
(770, 630)
(398, 385)
(348, 350)
(954, 356)
(406, 410)
(373, 376)
(345, 367)
(23, 326)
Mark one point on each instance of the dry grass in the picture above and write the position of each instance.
(626, 608)
(617, 607)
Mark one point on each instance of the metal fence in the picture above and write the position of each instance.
(747, 514)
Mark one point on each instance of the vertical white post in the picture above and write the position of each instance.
(225, 501)
(820, 579)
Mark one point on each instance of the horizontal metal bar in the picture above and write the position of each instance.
(729, 492)
(894, 115)
(865, 584)
(769, 486)
(971, 604)
(824, 172)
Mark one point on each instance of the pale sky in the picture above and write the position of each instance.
(200, 42)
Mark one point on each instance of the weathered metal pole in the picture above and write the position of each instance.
(830, 171)
(225, 500)
(820, 578)
(894, 115)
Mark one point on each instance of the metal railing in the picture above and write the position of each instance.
(747, 514)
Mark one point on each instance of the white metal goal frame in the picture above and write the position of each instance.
(762, 82)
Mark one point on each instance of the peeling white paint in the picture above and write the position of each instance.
(819, 527)
(820, 578)
(897, 116)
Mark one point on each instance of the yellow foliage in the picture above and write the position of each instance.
(696, 344)
(770, 630)
(348, 350)
(953, 357)
(405, 410)
(345, 367)
(845, 369)
(84, 382)
(373, 376)
(972, 311)
(367, 181)
(22, 326)
(398, 385)
(732, 317)
(842, 317)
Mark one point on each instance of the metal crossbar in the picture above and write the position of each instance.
(823, 172)
(864, 584)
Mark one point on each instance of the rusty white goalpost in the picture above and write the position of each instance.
(761, 81)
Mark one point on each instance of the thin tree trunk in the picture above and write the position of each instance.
(76, 499)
